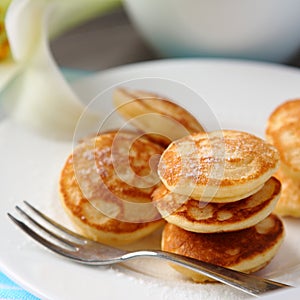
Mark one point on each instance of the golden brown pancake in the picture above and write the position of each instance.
(283, 131)
(287, 141)
(287, 112)
(106, 185)
(289, 201)
(246, 250)
(196, 216)
(160, 118)
(219, 164)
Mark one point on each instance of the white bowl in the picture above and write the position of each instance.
(254, 29)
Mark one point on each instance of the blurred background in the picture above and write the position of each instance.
(102, 43)
(108, 41)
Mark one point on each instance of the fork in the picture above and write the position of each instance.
(82, 250)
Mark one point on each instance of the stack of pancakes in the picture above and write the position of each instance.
(215, 190)
(283, 131)
(217, 197)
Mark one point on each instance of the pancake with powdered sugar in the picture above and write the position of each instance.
(106, 184)
(218, 165)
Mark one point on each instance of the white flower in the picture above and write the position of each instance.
(32, 88)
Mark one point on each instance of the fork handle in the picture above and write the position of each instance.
(250, 284)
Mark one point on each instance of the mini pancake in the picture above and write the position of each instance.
(196, 216)
(289, 201)
(106, 184)
(287, 112)
(216, 165)
(287, 141)
(246, 250)
(283, 131)
(160, 118)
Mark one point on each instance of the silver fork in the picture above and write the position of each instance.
(77, 248)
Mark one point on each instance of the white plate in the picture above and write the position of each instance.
(241, 95)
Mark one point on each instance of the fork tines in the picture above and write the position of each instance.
(46, 231)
